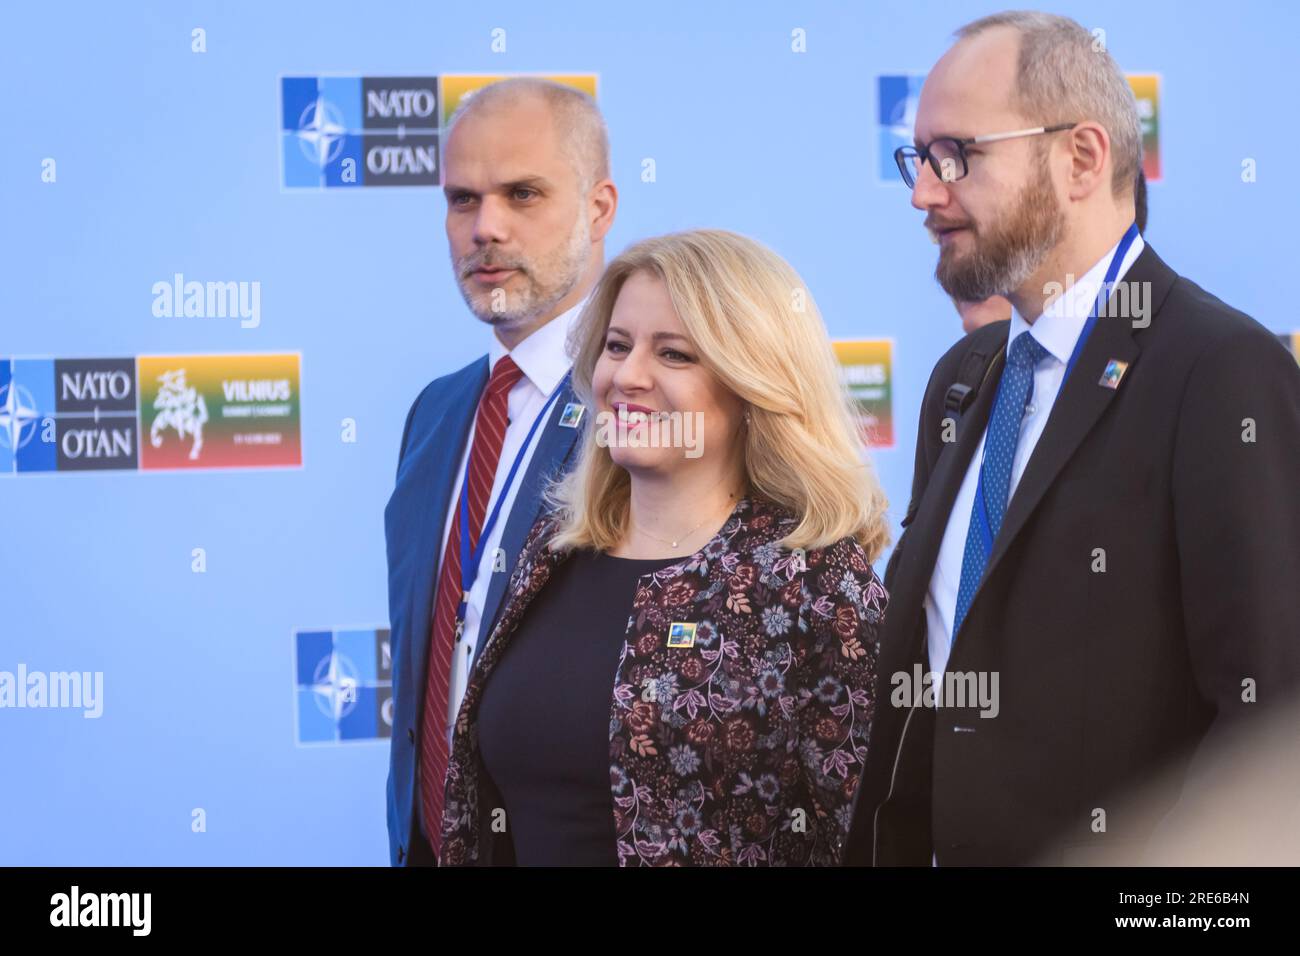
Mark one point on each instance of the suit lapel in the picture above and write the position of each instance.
(1081, 403)
(553, 450)
(429, 473)
(927, 529)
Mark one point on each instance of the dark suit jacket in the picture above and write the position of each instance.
(1105, 676)
(438, 425)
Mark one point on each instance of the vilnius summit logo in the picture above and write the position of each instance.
(150, 413)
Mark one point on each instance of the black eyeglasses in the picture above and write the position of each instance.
(947, 154)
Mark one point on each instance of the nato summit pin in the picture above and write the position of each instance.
(1115, 370)
(681, 634)
(571, 415)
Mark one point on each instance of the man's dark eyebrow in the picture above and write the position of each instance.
(528, 182)
(916, 141)
(540, 183)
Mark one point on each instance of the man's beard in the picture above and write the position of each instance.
(545, 282)
(1005, 256)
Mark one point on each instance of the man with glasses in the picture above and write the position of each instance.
(1099, 558)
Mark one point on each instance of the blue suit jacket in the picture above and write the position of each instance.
(438, 426)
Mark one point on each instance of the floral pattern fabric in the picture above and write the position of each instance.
(743, 748)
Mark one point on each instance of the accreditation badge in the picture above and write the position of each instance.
(681, 634)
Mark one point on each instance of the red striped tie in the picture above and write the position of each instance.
(489, 433)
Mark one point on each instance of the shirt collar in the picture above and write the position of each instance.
(541, 356)
(1061, 323)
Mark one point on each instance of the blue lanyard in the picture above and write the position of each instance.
(469, 558)
(1112, 270)
(1102, 295)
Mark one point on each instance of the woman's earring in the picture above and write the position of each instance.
(746, 418)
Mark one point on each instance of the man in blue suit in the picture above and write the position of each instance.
(529, 202)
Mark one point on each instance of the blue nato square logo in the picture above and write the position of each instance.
(321, 131)
(343, 685)
(897, 98)
(27, 409)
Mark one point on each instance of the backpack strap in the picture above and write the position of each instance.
(976, 366)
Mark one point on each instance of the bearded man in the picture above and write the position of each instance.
(1104, 527)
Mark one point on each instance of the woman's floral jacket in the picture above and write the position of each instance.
(744, 748)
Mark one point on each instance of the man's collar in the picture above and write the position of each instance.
(1061, 323)
(541, 356)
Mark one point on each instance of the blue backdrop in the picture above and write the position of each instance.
(168, 162)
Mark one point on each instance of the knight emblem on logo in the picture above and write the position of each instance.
(181, 407)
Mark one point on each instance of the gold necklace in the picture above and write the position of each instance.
(672, 544)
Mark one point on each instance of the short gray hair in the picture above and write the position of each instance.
(578, 123)
(1062, 75)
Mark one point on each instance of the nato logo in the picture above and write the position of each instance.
(23, 420)
(897, 98)
(68, 415)
(344, 685)
(345, 131)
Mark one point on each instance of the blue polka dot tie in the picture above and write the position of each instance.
(1014, 393)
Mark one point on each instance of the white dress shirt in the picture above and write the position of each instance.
(542, 359)
(1057, 330)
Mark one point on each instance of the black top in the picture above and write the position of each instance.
(543, 722)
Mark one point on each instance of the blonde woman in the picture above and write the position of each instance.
(683, 671)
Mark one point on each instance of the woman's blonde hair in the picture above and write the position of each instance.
(757, 329)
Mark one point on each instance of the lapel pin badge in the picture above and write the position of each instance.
(1115, 370)
(681, 634)
(571, 415)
